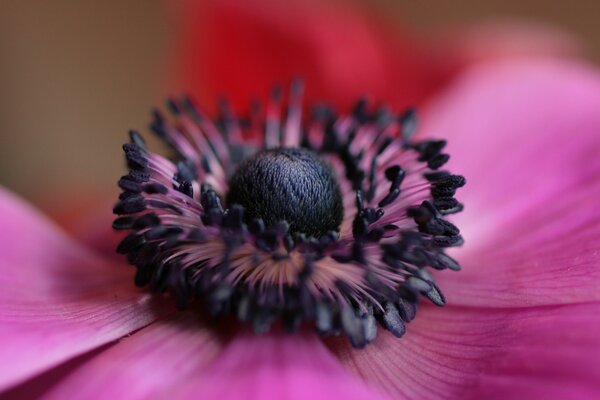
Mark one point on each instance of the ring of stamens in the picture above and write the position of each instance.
(367, 264)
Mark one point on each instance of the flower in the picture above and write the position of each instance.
(333, 220)
(522, 316)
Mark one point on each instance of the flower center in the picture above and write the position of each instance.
(273, 253)
(288, 184)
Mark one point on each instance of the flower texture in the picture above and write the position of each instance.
(522, 318)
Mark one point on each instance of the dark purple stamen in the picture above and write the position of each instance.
(333, 221)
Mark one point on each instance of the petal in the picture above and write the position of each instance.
(470, 353)
(179, 358)
(57, 300)
(241, 49)
(525, 135)
(157, 358)
(276, 366)
(89, 218)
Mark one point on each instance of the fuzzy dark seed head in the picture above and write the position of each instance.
(289, 184)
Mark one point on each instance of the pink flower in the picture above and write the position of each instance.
(522, 318)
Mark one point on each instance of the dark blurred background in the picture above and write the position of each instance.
(75, 76)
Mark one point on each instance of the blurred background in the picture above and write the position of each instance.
(76, 76)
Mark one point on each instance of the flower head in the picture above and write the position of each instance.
(522, 319)
(332, 219)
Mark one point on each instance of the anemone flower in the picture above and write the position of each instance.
(332, 219)
(521, 318)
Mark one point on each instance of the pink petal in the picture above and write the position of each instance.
(465, 353)
(57, 300)
(179, 358)
(526, 136)
(158, 358)
(276, 366)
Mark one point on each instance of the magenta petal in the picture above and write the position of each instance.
(527, 137)
(278, 367)
(158, 358)
(57, 299)
(464, 353)
(179, 358)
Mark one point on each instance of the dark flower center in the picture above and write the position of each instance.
(288, 184)
(389, 213)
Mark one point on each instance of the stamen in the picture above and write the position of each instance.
(333, 221)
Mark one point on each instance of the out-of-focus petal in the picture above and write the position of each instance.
(241, 48)
(88, 217)
(527, 137)
(57, 300)
(471, 353)
(156, 359)
(523, 317)
(276, 366)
